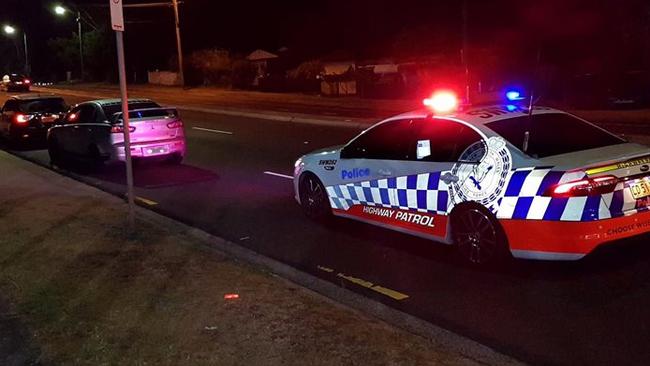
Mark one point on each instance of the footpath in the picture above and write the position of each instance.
(77, 288)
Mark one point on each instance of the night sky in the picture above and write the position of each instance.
(337, 28)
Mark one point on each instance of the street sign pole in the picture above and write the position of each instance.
(117, 20)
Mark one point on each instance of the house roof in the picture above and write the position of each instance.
(260, 55)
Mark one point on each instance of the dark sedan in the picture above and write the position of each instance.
(28, 117)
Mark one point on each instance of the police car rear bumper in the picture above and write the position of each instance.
(569, 240)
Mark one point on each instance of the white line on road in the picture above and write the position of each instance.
(279, 175)
(211, 130)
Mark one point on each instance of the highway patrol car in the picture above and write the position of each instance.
(495, 180)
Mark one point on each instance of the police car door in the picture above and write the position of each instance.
(439, 147)
(367, 171)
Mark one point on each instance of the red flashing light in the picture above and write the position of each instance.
(442, 102)
(231, 296)
(584, 187)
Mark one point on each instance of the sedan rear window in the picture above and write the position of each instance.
(111, 109)
(49, 105)
(553, 134)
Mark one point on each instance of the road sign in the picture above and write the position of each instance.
(117, 17)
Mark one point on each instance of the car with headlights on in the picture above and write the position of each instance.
(495, 180)
(27, 117)
(16, 82)
(94, 131)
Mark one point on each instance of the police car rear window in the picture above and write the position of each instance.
(553, 134)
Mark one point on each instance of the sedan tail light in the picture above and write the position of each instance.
(22, 118)
(175, 124)
(120, 129)
(584, 187)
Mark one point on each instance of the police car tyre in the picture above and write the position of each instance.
(313, 197)
(478, 236)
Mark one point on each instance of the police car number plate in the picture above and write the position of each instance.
(640, 189)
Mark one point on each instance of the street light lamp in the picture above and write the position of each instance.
(10, 30)
(60, 10)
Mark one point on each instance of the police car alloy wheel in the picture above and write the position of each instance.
(313, 197)
(477, 236)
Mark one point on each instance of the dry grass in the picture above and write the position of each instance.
(93, 295)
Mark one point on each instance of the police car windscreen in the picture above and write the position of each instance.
(49, 105)
(553, 134)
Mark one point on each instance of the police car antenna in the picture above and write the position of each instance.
(531, 103)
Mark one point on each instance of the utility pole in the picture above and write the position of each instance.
(28, 67)
(181, 74)
(117, 21)
(81, 48)
(464, 53)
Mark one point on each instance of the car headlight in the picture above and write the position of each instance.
(298, 162)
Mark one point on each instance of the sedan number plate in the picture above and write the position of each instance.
(155, 150)
(640, 189)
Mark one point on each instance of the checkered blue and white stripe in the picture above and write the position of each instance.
(422, 193)
(523, 197)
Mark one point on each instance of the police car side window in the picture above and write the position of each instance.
(443, 140)
(387, 141)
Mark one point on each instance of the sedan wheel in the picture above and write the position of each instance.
(313, 197)
(478, 237)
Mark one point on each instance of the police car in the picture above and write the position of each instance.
(494, 180)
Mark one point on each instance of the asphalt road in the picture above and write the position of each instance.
(592, 312)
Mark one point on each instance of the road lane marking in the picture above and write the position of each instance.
(146, 201)
(396, 295)
(325, 269)
(211, 130)
(279, 175)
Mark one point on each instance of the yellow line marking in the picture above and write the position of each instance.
(146, 201)
(325, 269)
(390, 293)
(382, 290)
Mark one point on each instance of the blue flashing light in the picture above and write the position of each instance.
(513, 95)
(511, 107)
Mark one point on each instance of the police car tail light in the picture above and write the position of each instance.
(442, 102)
(23, 118)
(584, 187)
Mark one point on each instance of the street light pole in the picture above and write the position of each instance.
(27, 66)
(10, 31)
(81, 48)
(181, 74)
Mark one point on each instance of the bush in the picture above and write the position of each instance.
(213, 65)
